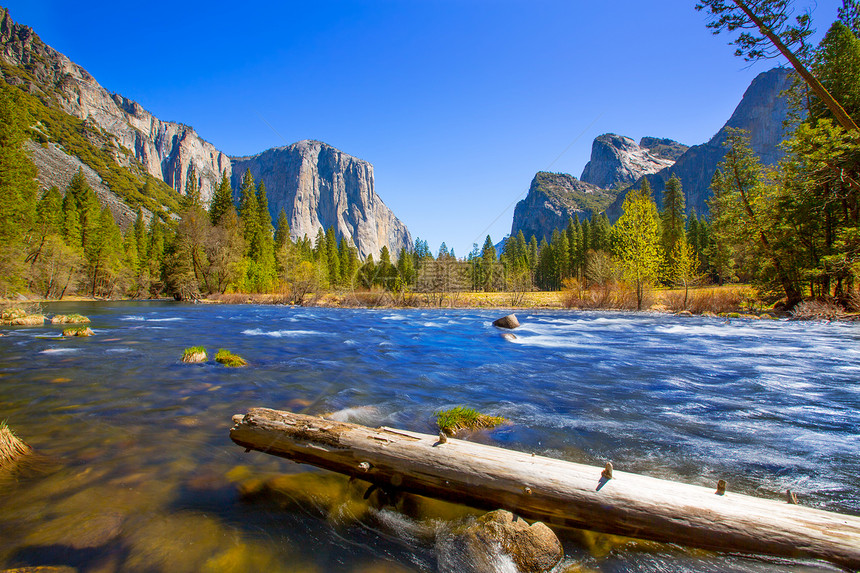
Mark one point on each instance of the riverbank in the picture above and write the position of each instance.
(732, 301)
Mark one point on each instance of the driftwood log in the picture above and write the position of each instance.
(554, 491)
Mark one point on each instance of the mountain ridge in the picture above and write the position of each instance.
(762, 110)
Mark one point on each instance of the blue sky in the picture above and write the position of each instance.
(457, 104)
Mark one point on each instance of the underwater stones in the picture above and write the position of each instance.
(509, 336)
(78, 531)
(684, 313)
(496, 541)
(510, 322)
(79, 331)
(332, 496)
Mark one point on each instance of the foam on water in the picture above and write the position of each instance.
(280, 333)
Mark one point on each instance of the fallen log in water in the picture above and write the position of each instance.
(554, 491)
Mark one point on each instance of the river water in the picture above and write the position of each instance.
(135, 470)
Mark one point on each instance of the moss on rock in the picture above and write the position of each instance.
(227, 358)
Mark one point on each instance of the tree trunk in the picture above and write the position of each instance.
(825, 96)
(553, 491)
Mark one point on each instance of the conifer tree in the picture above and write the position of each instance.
(332, 257)
(282, 234)
(49, 211)
(222, 200)
(191, 199)
(405, 268)
(265, 248)
(249, 210)
(385, 270)
(71, 221)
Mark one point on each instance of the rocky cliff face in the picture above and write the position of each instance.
(166, 150)
(762, 111)
(319, 187)
(552, 200)
(617, 161)
(663, 148)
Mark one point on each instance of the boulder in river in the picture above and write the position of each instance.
(194, 355)
(78, 331)
(509, 322)
(496, 541)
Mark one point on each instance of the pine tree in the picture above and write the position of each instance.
(249, 210)
(72, 222)
(741, 211)
(222, 200)
(332, 257)
(282, 234)
(265, 243)
(386, 272)
(49, 211)
(487, 264)
(443, 251)
(405, 268)
(191, 199)
(673, 216)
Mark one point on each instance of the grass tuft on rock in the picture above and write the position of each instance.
(194, 355)
(227, 358)
(27, 315)
(78, 331)
(11, 446)
(70, 319)
(463, 418)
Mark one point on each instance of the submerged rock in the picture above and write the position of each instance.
(510, 321)
(499, 541)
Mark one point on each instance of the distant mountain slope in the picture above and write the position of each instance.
(319, 187)
(663, 148)
(617, 161)
(166, 150)
(554, 198)
(762, 111)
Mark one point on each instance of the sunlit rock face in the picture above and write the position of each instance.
(317, 187)
(618, 160)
